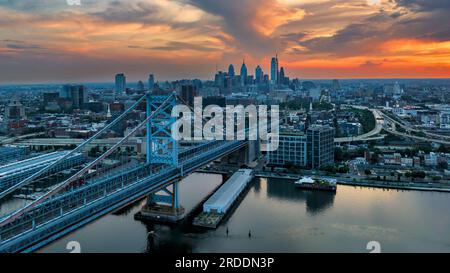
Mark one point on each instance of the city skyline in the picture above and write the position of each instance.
(48, 40)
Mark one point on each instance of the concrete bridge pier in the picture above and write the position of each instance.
(163, 206)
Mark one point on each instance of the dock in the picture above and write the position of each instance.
(220, 203)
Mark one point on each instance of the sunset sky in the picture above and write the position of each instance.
(50, 41)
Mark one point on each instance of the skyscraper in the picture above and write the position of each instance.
(243, 73)
(274, 70)
(151, 82)
(336, 85)
(121, 84)
(140, 86)
(282, 77)
(231, 71)
(259, 74)
(188, 93)
(78, 94)
(75, 93)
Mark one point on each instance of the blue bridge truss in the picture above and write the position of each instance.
(66, 208)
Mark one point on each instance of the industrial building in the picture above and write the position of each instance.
(14, 173)
(224, 198)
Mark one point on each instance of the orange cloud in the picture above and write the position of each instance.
(271, 15)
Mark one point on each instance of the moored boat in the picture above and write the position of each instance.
(322, 184)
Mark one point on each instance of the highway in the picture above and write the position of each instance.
(14, 139)
(369, 135)
(430, 136)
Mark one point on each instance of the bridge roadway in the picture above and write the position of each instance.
(68, 211)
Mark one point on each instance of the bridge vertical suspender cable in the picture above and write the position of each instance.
(41, 199)
(77, 149)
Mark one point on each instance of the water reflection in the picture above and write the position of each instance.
(282, 218)
(166, 239)
(316, 201)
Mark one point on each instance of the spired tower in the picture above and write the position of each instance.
(274, 72)
(231, 73)
(244, 73)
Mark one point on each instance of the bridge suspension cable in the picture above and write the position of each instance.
(30, 179)
(76, 176)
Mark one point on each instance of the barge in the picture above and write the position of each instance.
(321, 184)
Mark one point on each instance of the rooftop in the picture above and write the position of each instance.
(221, 196)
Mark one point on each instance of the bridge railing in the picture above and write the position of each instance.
(62, 205)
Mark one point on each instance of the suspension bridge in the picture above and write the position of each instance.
(84, 197)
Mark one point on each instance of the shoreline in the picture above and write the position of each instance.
(374, 184)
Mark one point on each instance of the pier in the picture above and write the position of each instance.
(219, 204)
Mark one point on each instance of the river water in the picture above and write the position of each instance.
(283, 219)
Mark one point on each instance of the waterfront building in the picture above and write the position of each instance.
(291, 150)
(320, 150)
(314, 149)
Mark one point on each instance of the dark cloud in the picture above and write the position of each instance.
(33, 5)
(413, 19)
(424, 5)
(175, 46)
(293, 36)
(239, 19)
(22, 46)
(13, 41)
(357, 38)
(371, 64)
(123, 11)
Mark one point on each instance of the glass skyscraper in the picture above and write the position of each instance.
(244, 73)
(259, 75)
(231, 73)
(121, 83)
(274, 70)
(151, 82)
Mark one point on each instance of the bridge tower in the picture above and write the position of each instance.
(162, 148)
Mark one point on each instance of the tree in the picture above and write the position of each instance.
(338, 154)
(443, 165)
(436, 178)
(375, 158)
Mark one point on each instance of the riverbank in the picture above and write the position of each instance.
(342, 180)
